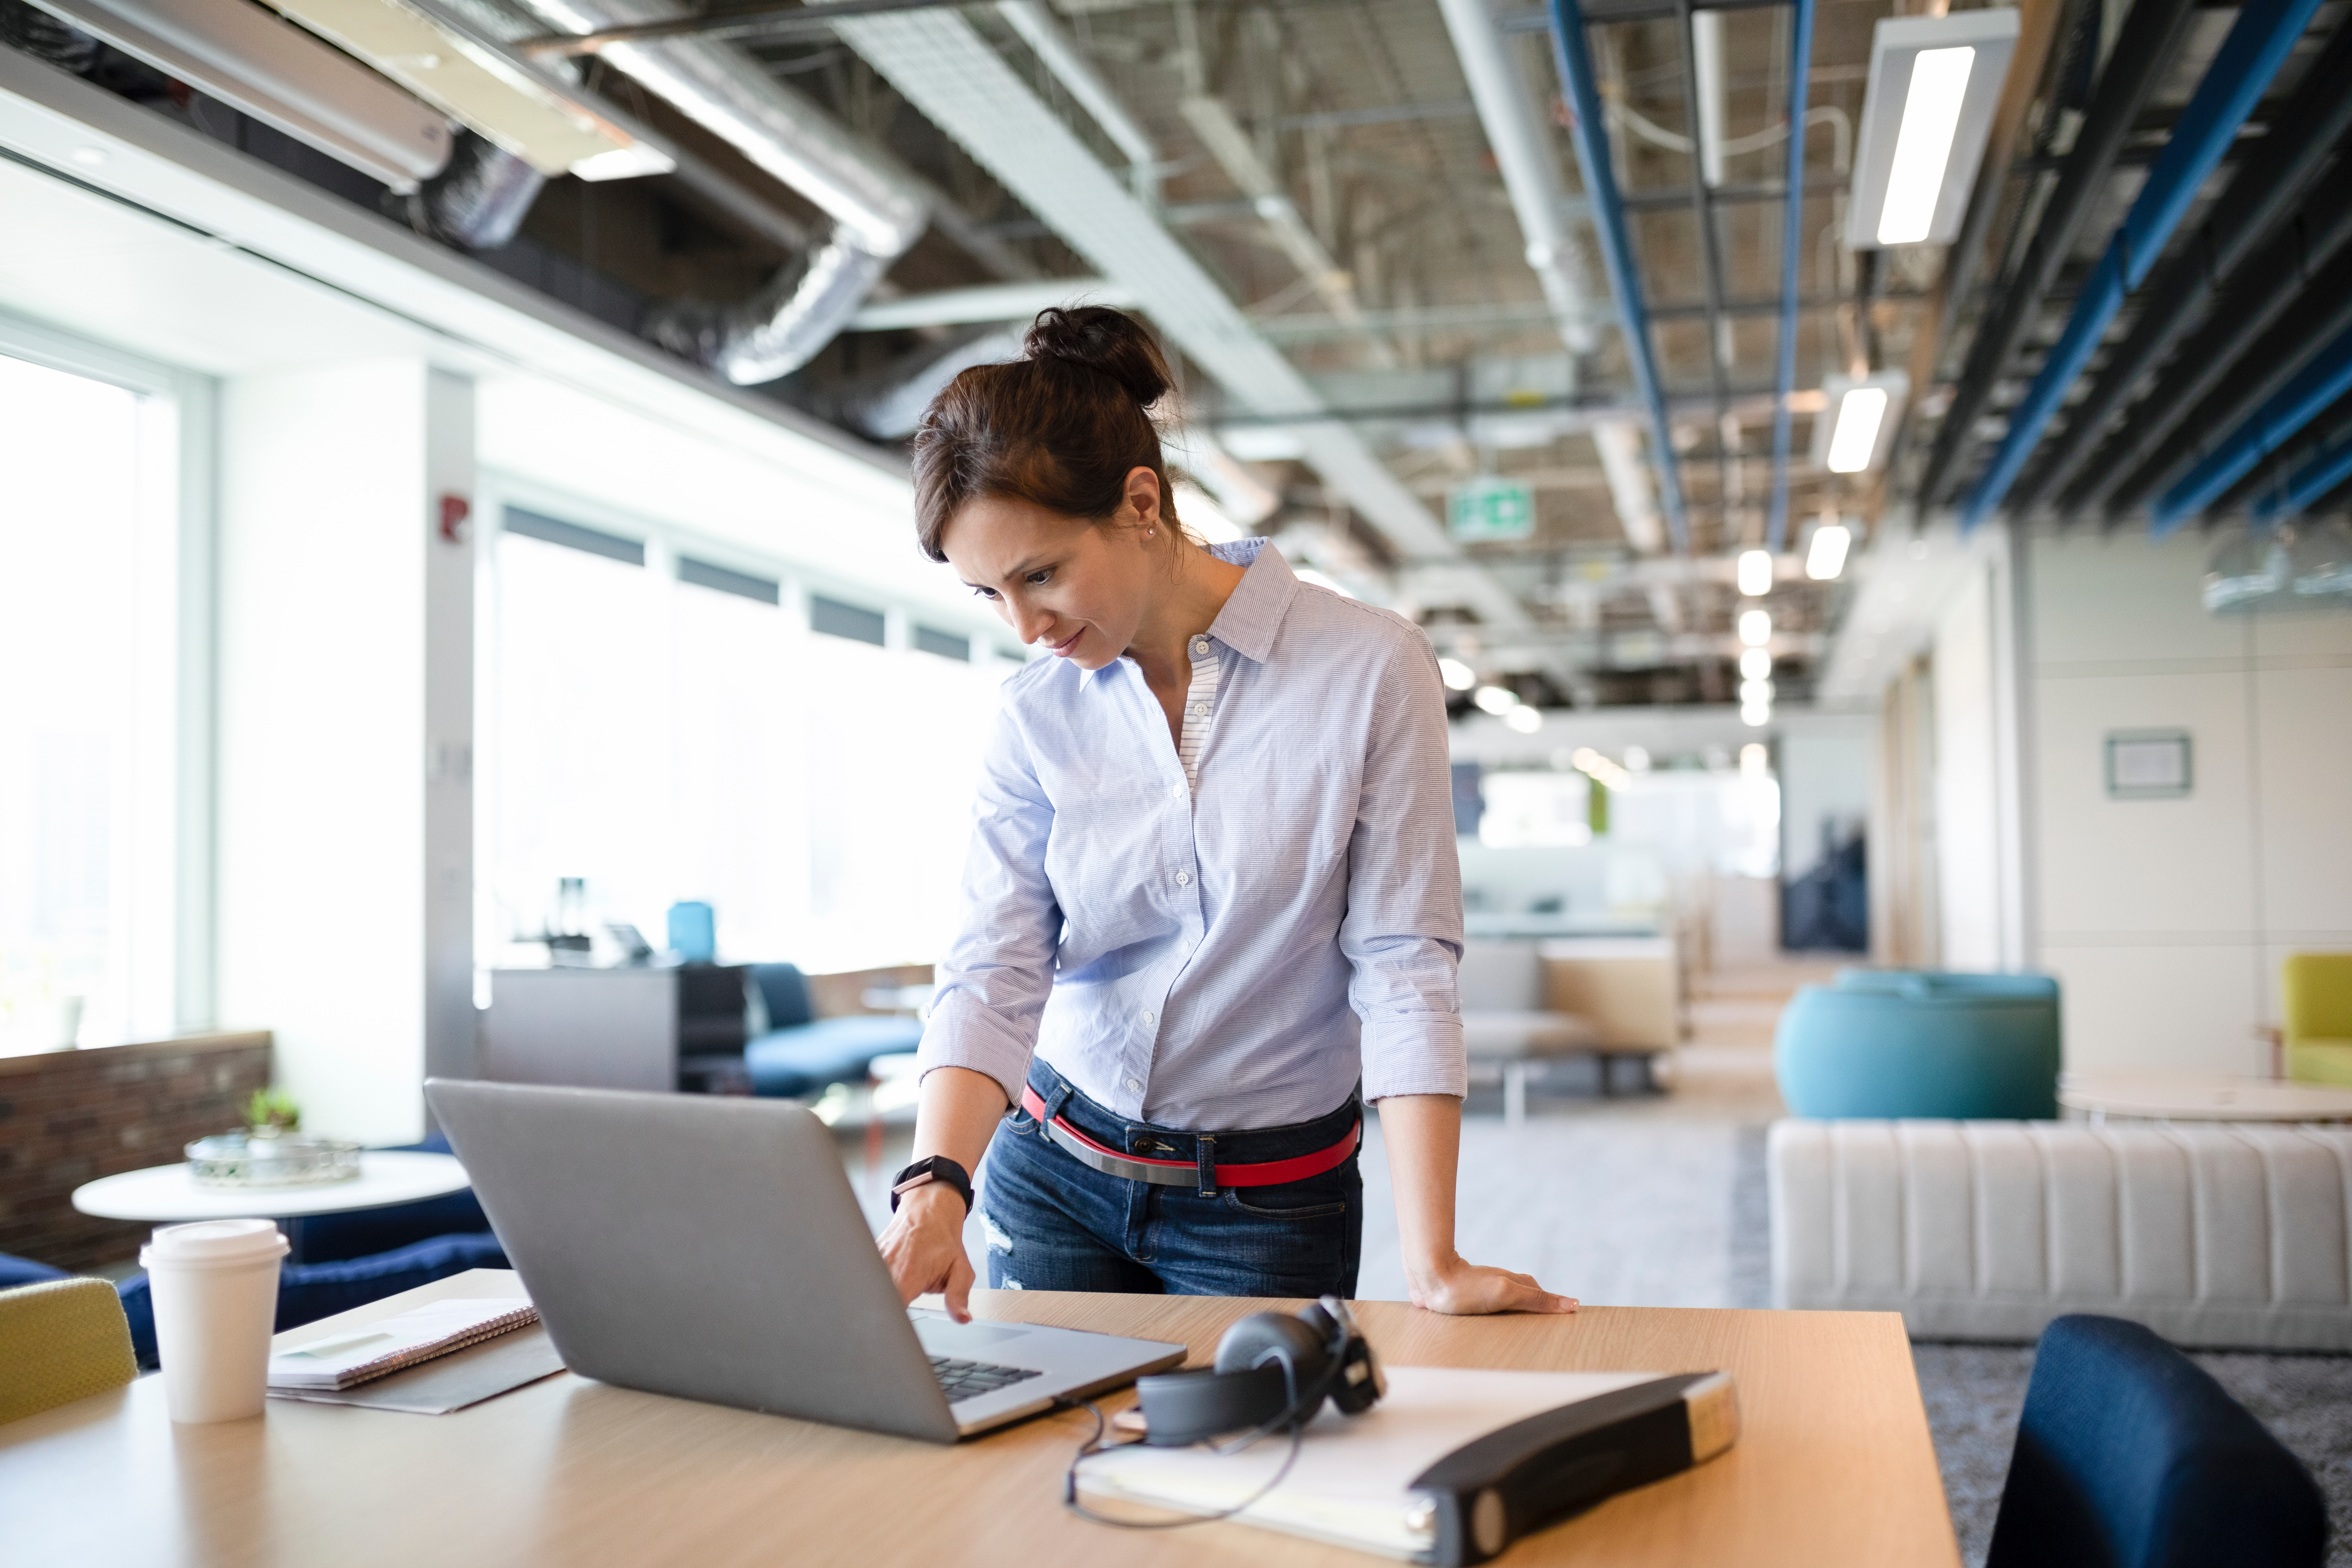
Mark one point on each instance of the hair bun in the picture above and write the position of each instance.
(1104, 340)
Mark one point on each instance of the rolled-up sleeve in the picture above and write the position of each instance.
(1403, 933)
(996, 977)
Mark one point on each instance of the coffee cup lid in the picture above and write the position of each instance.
(212, 1241)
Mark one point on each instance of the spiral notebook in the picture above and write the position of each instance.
(394, 1345)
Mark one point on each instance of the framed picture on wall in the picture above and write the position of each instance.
(2148, 765)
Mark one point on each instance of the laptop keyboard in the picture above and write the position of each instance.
(970, 1379)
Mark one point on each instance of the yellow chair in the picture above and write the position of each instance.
(2315, 991)
(59, 1341)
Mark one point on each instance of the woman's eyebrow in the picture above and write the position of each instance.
(1022, 570)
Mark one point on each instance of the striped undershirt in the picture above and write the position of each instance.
(1200, 707)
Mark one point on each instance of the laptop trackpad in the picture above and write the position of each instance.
(945, 1336)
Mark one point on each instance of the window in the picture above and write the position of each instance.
(675, 729)
(89, 734)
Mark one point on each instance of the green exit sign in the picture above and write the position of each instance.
(1490, 508)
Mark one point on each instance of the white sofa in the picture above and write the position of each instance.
(2213, 1235)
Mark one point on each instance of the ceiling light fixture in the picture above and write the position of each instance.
(1756, 715)
(1755, 663)
(1857, 427)
(1754, 693)
(1933, 82)
(1525, 719)
(1755, 627)
(1592, 765)
(1754, 572)
(1826, 558)
(1457, 676)
(1755, 760)
(1494, 699)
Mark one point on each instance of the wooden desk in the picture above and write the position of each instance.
(1834, 1466)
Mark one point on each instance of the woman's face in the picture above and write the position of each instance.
(1075, 588)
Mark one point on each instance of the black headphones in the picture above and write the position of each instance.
(1273, 1372)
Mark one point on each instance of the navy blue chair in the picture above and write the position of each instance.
(364, 1233)
(2130, 1456)
(801, 1053)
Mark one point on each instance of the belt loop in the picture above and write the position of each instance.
(1204, 1161)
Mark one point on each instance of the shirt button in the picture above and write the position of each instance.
(1176, 792)
(1183, 878)
(1199, 647)
(1135, 1086)
(1200, 710)
(1151, 1017)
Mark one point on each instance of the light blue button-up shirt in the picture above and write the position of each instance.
(1236, 955)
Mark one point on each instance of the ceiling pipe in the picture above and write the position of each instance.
(1587, 129)
(1800, 65)
(877, 213)
(2132, 71)
(953, 77)
(2258, 45)
(2260, 198)
(1530, 167)
(2307, 394)
(2324, 464)
(2262, 293)
(2311, 309)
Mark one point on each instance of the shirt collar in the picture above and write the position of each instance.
(1253, 612)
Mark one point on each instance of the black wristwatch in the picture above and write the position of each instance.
(936, 1168)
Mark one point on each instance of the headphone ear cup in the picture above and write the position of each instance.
(1360, 1384)
(1263, 1337)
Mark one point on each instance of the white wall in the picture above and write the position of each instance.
(1968, 780)
(344, 654)
(2166, 919)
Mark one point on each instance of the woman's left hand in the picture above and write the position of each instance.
(1462, 1288)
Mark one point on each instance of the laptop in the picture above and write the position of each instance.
(709, 1246)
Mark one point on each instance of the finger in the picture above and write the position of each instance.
(959, 1291)
(1530, 1297)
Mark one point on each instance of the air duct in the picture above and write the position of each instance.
(478, 201)
(876, 212)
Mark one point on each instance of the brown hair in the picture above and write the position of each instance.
(1060, 428)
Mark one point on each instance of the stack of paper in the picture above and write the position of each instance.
(1350, 1485)
(356, 1355)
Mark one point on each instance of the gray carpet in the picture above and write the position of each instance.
(1974, 1394)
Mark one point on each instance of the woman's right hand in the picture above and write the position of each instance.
(923, 1246)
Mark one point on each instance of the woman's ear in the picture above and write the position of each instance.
(1144, 497)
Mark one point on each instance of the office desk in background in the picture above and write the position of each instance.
(1833, 1468)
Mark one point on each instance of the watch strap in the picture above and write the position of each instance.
(932, 1168)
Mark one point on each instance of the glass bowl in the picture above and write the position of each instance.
(286, 1160)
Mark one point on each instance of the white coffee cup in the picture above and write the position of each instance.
(215, 1287)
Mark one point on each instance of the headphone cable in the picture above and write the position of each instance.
(1095, 1444)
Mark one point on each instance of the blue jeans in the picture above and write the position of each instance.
(1055, 1224)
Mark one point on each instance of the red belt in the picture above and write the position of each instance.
(1188, 1173)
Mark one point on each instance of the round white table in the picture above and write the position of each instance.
(168, 1194)
(2200, 1097)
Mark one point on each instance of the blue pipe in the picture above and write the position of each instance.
(1800, 64)
(2329, 468)
(2294, 406)
(2266, 32)
(1589, 130)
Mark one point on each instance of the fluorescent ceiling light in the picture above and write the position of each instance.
(1857, 429)
(1525, 721)
(1826, 559)
(280, 75)
(1756, 663)
(1923, 146)
(1755, 760)
(479, 82)
(1457, 676)
(1754, 572)
(1637, 759)
(1755, 627)
(1855, 433)
(1755, 691)
(1934, 83)
(1494, 699)
(1755, 715)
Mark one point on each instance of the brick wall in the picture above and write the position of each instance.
(70, 1117)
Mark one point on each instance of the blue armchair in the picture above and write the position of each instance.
(1904, 1043)
(2129, 1456)
(801, 1053)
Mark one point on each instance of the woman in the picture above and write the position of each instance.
(1212, 889)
